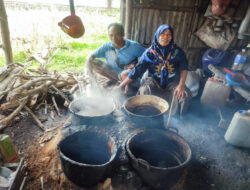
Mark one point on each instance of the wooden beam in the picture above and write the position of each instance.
(5, 34)
(165, 8)
(128, 19)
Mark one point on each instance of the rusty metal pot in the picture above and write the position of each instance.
(91, 111)
(159, 156)
(86, 157)
(146, 111)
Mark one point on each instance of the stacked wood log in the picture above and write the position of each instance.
(23, 88)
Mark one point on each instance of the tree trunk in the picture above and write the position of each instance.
(5, 34)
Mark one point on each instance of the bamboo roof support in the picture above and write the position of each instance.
(6, 45)
(128, 19)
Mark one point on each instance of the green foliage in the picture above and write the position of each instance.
(2, 61)
(20, 57)
(73, 53)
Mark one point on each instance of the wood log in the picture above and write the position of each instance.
(9, 78)
(10, 105)
(35, 118)
(64, 83)
(17, 82)
(42, 88)
(28, 77)
(33, 100)
(57, 109)
(73, 89)
(45, 108)
(5, 121)
(43, 98)
(5, 73)
(32, 82)
(61, 93)
(36, 71)
(11, 85)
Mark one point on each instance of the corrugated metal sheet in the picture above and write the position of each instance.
(182, 16)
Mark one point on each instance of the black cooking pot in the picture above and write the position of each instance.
(86, 156)
(146, 111)
(158, 156)
(91, 111)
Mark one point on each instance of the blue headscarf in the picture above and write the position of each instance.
(158, 54)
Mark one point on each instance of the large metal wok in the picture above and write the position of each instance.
(146, 111)
(91, 111)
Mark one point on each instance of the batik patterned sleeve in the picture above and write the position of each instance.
(139, 69)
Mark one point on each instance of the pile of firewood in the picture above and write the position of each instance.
(24, 88)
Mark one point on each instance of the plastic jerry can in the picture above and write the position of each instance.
(215, 92)
(239, 129)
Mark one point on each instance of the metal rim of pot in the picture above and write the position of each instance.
(113, 155)
(144, 116)
(144, 162)
(70, 109)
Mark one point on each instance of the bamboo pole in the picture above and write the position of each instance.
(5, 35)
(128, 19)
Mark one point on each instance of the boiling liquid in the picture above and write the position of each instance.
(145, 110)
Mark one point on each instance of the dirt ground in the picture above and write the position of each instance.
(215, 165)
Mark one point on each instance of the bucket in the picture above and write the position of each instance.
(159, 156)
(86, 156)
(213, 56)
(239, 129)
(215, 93)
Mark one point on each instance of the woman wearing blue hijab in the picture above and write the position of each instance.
(167, 68)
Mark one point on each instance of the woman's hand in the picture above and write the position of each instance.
(180, 92)
(131, 66)
(116, 87)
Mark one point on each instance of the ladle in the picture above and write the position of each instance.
(72, 25)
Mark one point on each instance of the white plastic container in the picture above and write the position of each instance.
(238, 132)
(215, 92)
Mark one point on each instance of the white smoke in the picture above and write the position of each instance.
(96, 101)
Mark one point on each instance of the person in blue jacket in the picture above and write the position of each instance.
(120, 53)
(164, 68)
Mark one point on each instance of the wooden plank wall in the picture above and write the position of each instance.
(185, 16)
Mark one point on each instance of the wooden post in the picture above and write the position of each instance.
(128, 19)
(5, 34)
(122, 11)
(109, 4)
